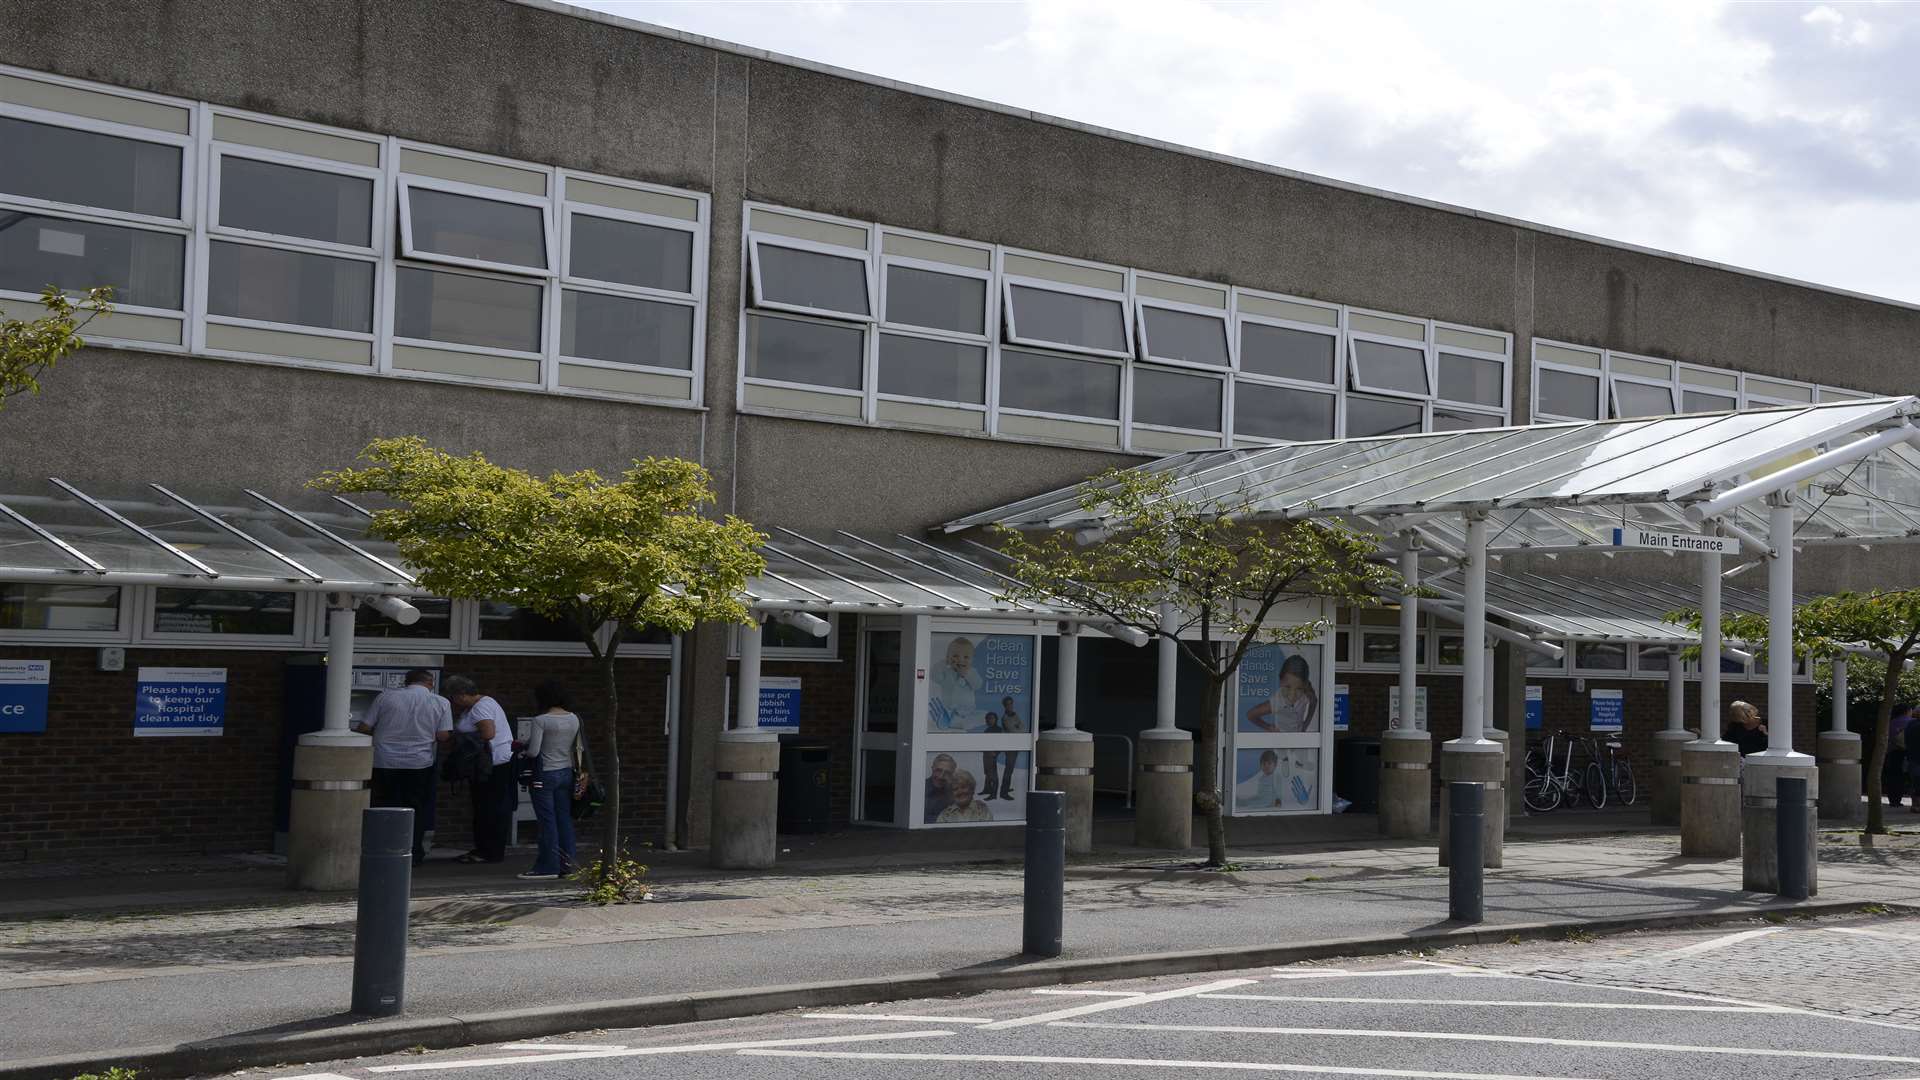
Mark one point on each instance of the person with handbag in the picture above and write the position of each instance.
(554, 744)
(484, 733)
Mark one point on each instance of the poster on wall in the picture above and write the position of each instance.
(780, 703)
(1274, 690)
(1274, 779)
(1607, 710)
(967, 787)
(1419, 708)
(180, 701)
(24, 688)
(1536, 708)
(1342, 707)
(982, 684)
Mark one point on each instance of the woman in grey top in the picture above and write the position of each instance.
(555, 735)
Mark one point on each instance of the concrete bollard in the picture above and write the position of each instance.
(1044, 916)
(1793, 843)
(1466, 874)
(380, 928)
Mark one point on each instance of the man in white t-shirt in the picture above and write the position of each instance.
(408, 725)
(494, 798)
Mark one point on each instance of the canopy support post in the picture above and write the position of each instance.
(1063, 757)
(1841, 757)
(1473, 757)
(1667, 744)
(1163, 787)
(746, 789)
(1406, 748)
(332, 768)
(1710, 766)
(1760, 812)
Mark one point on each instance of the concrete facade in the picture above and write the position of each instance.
(575, 90)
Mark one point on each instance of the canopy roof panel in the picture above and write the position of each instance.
(1554, 486)
(902, 575)
(1563, 607)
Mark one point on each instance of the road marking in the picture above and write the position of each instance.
(895, 1017)
(1864, 932)
(644, 1051)
(1090, 993)
(1359, 974)
(317, 1076)
(1119, 1003)
(1711, 944)
(1522, 1004)
(1152, 1063)
(552, 1046)
(1532, 1040)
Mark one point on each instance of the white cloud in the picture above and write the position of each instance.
(1775, 136)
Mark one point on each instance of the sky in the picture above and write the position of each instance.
(1779, 137)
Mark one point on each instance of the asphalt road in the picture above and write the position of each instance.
(1606, 1011)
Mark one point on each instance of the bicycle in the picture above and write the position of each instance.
(1547, 789)
(1618, 773)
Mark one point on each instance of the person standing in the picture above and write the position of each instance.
(1747, 731)
(553, 744)
(494, 798)
(408, 725)
(1893, 770)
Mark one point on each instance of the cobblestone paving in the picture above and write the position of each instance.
(1853, 966)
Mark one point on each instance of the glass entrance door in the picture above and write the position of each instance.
(877, 743)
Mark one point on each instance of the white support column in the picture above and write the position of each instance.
(1664, 791)
(1409, 637)
(1709, 766)
(746, 709)
(746, 761)
(1063, 757)
(1474, 654)
(1760, 811)
(1837, 721)
(331, 770)
(1163, 785)
(1473, 757)
(1067, 680)
(1406, 752)
(1676, 691)
(1780, 626)
(1166, 691)
(1842, 763)
(1710, 647)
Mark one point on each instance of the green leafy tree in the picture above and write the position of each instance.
(599, 555)
(29, 347)
(1886, 622)
(1224, 572)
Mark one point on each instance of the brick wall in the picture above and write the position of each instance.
(828, 706)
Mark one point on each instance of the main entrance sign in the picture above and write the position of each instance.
(1696, 543)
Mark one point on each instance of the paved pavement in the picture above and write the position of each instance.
(1753, 1002)
(121, 980)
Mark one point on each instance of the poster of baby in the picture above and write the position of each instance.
(982, 684)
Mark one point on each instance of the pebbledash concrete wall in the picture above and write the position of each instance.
(532, 81)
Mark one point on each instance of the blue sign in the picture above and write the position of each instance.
(1342, 707)
(780, 703)
(1536, 708)
(983, 684)
(1607, 710)
(23, 695)
(180, 701)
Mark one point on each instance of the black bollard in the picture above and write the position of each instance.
(1467, 838)
(1046, 873)
(380, 931)
(1790, 800)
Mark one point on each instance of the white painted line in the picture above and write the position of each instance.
(1760, 1006)
(1367, 974)
(645, 1051)
(1864, 932)
(1532, 1040)
(316, 1076)
(1119, 1003)
(1089, 993)
(899, 1019)
(553, 1046)
(1152, 1063)
(1711, 944)
(1502, 1003)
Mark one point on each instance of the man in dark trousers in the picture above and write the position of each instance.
(408, 726)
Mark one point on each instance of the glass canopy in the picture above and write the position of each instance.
(902, 575)
(1592, 607)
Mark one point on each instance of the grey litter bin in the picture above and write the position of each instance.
(806, 788)
(1356, 773)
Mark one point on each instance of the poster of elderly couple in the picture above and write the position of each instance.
(980, 699)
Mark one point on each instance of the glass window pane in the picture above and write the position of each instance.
(1286, 353)
(144, 268)
(1653, 658)
(59, 607)
(1340, 647)
(508, 622)
(86, 168)
(274, 285)
(1541, 661)
(222, 611)
(1638, 399)
(1568, 393)
(263, 196)
(1599, 656)
(1183, 335)
(883, 680)
(918, 297)
(469, 227)
(1091, 322)
(436, 621)
(941, 370)
(1040, 382)
(624, 330)
(1449, 420)
(791, 350)
(1390, 367)
(631, 253)
(1472, 379)
(812, 279)
(1278, 412)
(1453, 650)
(1695, 401)
(1385, 648)
(467, 309)
(1170, 399)
(1370, 416)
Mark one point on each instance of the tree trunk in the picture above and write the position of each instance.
(1207, 799)
(1877, 747)
(611, 850)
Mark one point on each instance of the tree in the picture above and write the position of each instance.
(1222, 571)
(599, 555)
(29, 347)
(1888, 623)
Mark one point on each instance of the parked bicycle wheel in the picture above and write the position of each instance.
(1596, 785)
(1624, 787)
(1542, 793)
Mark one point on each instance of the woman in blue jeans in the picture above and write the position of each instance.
(552, 744)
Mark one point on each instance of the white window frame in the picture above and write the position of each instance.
(408, 183)
(1197, 371)
(121, 636)
(1564, 664)
(1504, 410)
(1671, 384)
(1752, 399)
(1624, 671)
(1120, 423)
(1424, 347)
(1424, 404)
(568, 281)
(1241, 438)
(317, 633)
(217, 151)
(1682, 385)
(540, 351)
(1335, 388)
(990, 304)
(1223, 316)
(476, 644)
(827, 654)
(1122, 298)
(147, 603)
(1597, 374)
(756, 241)
(867, 346)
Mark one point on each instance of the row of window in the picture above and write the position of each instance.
(1579, 382)
(253, 237)
(879, 325)
(1440, 647)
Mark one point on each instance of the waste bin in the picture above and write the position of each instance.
(806, 789)
(1356, 773)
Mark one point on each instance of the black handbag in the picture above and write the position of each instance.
(588, 792)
